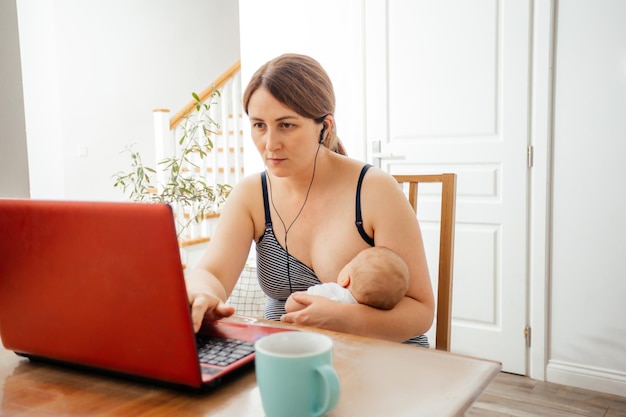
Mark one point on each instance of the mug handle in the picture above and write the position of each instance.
(330, 390)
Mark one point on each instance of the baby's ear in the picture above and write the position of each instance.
(345, 281)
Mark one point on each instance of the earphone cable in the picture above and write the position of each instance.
(287, 229)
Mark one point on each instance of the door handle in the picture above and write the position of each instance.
(387, 156)
(378, 156)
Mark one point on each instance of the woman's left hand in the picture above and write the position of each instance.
(318, 312)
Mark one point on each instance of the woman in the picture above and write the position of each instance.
(310, 213)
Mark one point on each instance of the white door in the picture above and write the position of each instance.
(447, 91)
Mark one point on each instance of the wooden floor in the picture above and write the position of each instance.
(514, 395)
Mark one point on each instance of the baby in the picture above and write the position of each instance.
(376, 276)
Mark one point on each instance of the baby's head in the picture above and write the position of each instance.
(377, 277)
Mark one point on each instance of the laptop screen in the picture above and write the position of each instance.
(97, 284)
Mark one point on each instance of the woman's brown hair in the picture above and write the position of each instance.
(300, 83)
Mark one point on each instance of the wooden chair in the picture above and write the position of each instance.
(443, 315)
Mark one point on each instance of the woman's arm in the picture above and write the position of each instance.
(359, 319)
(388, 217)
(210, 283)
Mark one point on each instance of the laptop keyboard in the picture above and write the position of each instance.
(222, 352)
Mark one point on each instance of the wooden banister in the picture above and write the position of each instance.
(206, 93)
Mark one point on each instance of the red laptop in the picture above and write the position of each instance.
(100, 285)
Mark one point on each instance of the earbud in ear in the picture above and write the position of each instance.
(322, 133)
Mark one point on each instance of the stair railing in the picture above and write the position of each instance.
(224, 163)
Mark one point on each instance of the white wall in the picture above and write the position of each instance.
(588, 326)
(327, 30)
(13, 159)
(94, 71)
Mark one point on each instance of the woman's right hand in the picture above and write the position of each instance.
(205, 304)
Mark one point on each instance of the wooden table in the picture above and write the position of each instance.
(378, 378)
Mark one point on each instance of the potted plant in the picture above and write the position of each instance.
(179, 179)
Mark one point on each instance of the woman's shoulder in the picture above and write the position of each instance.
(246, 187)
(249, 181)
(356, 167)
(378, 178)
(374, 181)
(379, 185)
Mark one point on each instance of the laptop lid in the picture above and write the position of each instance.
(101, 285)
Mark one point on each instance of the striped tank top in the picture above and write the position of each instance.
(280, 274)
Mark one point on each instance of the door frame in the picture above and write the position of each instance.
(540, 202)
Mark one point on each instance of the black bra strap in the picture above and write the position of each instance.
(359, 218)
(266, 203)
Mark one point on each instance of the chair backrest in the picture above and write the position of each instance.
(443, 314)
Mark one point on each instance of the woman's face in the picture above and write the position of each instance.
(286, 140)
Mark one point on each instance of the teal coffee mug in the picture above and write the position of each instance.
(295, 374)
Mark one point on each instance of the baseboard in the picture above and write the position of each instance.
(587, 377)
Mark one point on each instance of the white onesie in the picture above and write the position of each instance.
(332, 291)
